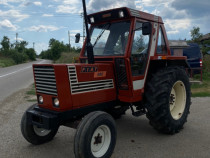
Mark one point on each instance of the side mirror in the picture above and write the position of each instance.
(77, 38)
(146, 28)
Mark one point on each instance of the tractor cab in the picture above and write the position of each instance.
(126, 39)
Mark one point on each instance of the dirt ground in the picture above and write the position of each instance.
(136, 138)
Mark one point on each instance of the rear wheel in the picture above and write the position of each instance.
(168, 99)
(34, 134)
(95, 136)
(177, 100)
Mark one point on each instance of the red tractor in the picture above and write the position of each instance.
(125, 63)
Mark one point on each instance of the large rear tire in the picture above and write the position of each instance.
(168, 99)
(35, 135)
(95, 136)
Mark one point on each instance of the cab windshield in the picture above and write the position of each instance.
(110, 39)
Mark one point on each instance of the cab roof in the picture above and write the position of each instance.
(114, 14)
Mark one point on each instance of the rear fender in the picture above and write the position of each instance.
(156, 65)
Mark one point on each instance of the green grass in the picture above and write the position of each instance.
(203, 90)
(5, 62)
(31, 94)
(32, 91)
(32, 100)
(201, 94)
(67, 58)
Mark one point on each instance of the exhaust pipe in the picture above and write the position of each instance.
(89, 46)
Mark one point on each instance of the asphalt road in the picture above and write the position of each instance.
(136, 139)
(16, 77)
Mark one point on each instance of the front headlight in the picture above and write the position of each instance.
(56, 102)
(40, 99)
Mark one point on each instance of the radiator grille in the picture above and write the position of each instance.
(89, 86)
(45, 80)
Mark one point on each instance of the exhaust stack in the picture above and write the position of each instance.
(89, 46)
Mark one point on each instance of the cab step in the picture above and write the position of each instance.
(138, 112)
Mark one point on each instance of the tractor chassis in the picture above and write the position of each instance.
(48, 119)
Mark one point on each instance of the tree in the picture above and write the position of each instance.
(205, 47)
(17, 51)
(21, 47)
(5, 43)
(46, 54)
(195, 34)
(57, 48)
(18, 57)
(31, 53)
(52, 41)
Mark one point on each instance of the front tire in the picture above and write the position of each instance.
(168, 99)
(35, 135)
(95, 136)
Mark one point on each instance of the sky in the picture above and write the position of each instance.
(39, 21)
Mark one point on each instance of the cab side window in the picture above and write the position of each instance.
(139, 52)
(161, 47)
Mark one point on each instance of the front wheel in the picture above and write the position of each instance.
(35, 135)
(95, 136)
(168, 99)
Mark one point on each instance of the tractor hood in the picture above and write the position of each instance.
(74, 85)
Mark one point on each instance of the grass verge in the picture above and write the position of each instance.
(203, 90)
(5, 62)
(201, 94)
(31, 94)
(67, 58)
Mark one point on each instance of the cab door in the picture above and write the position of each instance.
(139, 57)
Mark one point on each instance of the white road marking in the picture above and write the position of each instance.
(19, 70)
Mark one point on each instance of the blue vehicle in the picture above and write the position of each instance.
(194, 57)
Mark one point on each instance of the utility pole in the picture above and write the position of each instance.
(16, 39)
(34, 45)
(69, 34)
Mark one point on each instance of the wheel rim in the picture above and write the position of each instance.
(100, 141)
(177, 100)
(41, 131)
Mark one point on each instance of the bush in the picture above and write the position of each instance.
(31, 54)
(5, 61)
(206, 63)
(17, 52)
(19, 57)
(46, 54)
(55, 49)
(67, 58)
